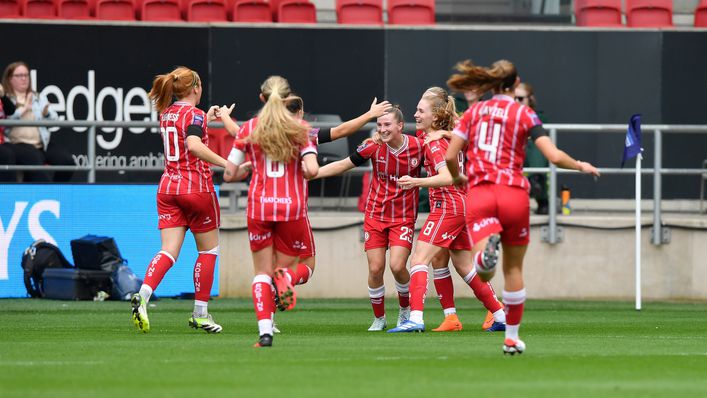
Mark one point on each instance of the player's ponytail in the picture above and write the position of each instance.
(278, 134)
(501, 76)
(176, 84)
(444, 110)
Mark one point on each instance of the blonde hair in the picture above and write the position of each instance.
(175, 84)
(443, 108)
(501, 76)
(277, 133)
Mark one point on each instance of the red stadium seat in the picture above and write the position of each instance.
(10, 9)
(39, 9)
(207, 11)
(74, 9)
(411, 12)
(250, 11)
(359, 12)
(701, 15)
(116, 10)
(598, 12)
(274, 8)
(649, 13)
(160, 10)
(297, 11)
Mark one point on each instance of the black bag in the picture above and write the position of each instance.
(39, 256)
(75, 284)
(125, 283)
(96, 253)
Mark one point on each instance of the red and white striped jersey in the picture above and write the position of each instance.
(184, 173)
(278, 190)
(497, 131)
(449, 199)
(387, 201)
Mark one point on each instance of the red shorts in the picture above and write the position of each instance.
(293, 237)
(493, 208)
(446, 230)
(379, 234)
(198, 211)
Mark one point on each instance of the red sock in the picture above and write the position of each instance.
(444, 287)
(403, 294)
(418, 287)
(299, 274)
(263, 300)
(514, 302)
(204, 275)
(377, 296)
(158, 267)
(484, 292)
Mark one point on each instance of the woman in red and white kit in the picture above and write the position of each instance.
(495, 133)
(444, 233)
(186, 198)
(283, 157)
(391, 211)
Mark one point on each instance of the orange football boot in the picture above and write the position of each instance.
(451, 323)
(489, 319)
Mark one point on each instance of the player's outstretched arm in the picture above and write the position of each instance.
(441, 179)
(311, 166)
(351, 126)
(335, 168)
(456, 144)
(197, 148)
(224, 113)
(561, 159)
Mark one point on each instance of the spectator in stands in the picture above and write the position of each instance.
(7, 155)
(32, 145)
(525, 95)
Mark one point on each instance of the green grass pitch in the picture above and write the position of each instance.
(574, 349)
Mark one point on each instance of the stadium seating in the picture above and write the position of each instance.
(649, 13)
(411, 12)
(206, 11)
(274, 8)
(10, 9)
(74, 9)
(250, 11)
(360, 12)
(701, 14)
(39, 9)
(160, 10)
(296, 11)
(598, 12)
(117, 10)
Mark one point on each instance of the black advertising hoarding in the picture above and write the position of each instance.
(103, 72)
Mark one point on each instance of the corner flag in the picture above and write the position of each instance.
(632, 146)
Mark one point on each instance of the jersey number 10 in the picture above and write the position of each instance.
(166, 132)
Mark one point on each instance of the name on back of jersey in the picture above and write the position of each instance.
(494, 111)
(169, 117)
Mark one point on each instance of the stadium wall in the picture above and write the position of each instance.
(593, 262)
(103, 71)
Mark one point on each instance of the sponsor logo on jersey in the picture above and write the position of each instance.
(207, 220)
(276, 200)
(259, 237)
(484, 223)
(448, 236)
(199, 120)
(523, 233)
(434, 148)
(164, 217)
(297, 245)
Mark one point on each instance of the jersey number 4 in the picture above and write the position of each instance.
(490, 147)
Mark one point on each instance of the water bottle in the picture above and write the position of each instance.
(565, 198)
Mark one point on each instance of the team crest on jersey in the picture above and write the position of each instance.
(413, 162)
(199, 120)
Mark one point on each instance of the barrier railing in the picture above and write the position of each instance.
(552, 229)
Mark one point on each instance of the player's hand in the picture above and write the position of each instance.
(407, 182)
(378, 110)
(377, 139)
(588, 168)
(246, 166)
(460, 180)
(434, 136)
(212, 114)
(226, 111)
